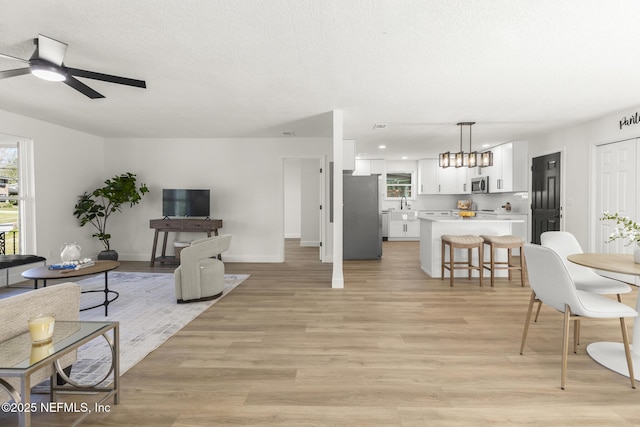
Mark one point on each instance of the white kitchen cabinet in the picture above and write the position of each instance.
(439, 214)
(428, 176)
(404, 225)
(447, 180)
(463, 181)
(377, 166)
(404, 229)
(366, 167)
(432, 179)
(510, 169)
(412, 229)
(363, 168)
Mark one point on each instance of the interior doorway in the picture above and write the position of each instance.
(303, 195)
(545, 195)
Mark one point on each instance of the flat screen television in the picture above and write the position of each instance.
(183, 202)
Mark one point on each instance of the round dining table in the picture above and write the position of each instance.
(611, 354)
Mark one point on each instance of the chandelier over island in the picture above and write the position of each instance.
(470, 159)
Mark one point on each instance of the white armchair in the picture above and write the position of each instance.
(200, 276)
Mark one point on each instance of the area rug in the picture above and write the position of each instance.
(148, 316)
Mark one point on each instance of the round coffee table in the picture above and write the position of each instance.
(43, 273)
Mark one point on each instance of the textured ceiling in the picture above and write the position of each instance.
(229, 68)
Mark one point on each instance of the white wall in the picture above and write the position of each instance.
(245, 176)
(292, 196)
(578, 142)
(246, 181)
(310, 202)
(66, 163)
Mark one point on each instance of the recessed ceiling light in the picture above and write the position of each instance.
(382, 147)
(486, 145)
(380, 126)
(404, 157)
(288, 133)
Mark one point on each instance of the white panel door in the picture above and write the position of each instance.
(615, 190)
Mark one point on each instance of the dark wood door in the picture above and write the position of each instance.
(545, 195)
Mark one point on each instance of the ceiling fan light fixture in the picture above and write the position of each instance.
(47, 71)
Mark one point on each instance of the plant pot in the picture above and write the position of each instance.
(110, 255)
(636, 254)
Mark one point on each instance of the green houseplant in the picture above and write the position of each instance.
(96, 207)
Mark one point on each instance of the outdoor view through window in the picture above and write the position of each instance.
(9, 199)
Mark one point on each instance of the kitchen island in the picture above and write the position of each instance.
(431, 229)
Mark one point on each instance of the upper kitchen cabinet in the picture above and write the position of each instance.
(368, 167)
(510, 169)
(432, 179)
(428, 176)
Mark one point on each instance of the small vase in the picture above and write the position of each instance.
(70, 252)
(636, 254)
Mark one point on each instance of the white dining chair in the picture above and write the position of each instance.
(584, 278)
(552, 284)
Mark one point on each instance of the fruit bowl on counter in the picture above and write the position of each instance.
(466, 214)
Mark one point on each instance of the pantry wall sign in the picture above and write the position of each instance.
(631, 120)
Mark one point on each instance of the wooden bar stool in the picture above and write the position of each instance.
(508, 243)
(468, 242)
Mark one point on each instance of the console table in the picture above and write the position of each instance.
(176, 225)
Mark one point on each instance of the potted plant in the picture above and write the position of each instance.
(95, 207)
(626, 229)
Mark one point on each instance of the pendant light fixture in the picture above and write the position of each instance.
(470, 159)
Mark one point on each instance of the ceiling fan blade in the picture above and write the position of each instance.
(51, 50)
(83, 88)
(106, 77)
(4, 55)
(12, 73)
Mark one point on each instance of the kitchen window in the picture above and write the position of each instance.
(400, 184)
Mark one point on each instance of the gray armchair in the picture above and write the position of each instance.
(200, 276)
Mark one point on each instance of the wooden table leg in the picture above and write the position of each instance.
(153, 249)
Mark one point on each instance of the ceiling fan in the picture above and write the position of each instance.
(46, 63)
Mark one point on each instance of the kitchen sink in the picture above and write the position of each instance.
(403, 215)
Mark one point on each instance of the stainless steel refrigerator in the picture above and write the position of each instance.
(362, 223)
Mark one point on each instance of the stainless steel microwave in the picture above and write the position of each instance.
(480, 184)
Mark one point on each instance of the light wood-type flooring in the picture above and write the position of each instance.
(394, 348)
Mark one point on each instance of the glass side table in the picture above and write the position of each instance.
(20, 358)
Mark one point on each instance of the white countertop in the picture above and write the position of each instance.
(469, 220)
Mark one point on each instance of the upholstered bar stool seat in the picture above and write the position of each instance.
(468, 242)
(509, 243)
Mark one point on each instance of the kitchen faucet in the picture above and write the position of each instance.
(403, 202)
